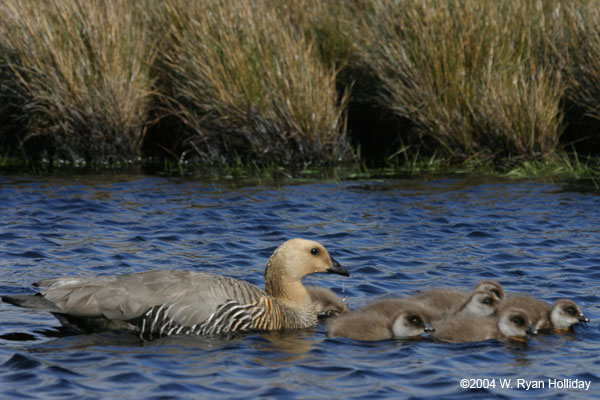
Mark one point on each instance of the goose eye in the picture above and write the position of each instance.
(415, 321)
(518, 321)
(497, 293)
(487, 300)
(314, 251)
(571, 311)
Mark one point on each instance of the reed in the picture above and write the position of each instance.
(246, 82)
(471, 74)
(79, 72)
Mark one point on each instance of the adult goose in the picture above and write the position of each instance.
(162, 303)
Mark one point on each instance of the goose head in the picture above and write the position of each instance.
(515, 323)
(292, 261)
(565, 313)
(297, 258)
(492, 287)
(481, 304)
(410, 323)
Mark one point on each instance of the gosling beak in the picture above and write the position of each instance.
(336, 268)
(531, 330)
(429, 327)
(583, 318)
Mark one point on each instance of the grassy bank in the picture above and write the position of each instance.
(300, 83)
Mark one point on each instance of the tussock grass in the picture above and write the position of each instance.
(272, 82)
(582, 49)
(468, 73)
(330, 24)
(81, 73)
(249, 84)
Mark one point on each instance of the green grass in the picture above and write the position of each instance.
(562, 166)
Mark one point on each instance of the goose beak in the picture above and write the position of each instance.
(531, 330)
(583, 318)
(336, 268)
(429, 327)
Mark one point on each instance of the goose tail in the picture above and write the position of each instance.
(34, 301)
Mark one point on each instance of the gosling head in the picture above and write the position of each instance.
(515, 323)
(410, 323)
(481, 304)
(297, 258)
(565, 313)
(492, 287)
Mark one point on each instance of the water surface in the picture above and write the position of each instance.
(394, 236)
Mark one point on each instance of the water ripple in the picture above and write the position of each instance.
(395, 237)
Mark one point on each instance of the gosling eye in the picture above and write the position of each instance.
(416, 321)
(518, 321)
(487, 301)
(314, 251)
(497, 293)
(571, 311)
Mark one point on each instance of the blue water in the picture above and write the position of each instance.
(394, 236)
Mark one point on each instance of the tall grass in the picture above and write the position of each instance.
(249, 84)
(331, 25)
(82, 74)
(272, 81)
(468, 73)
(582, 49)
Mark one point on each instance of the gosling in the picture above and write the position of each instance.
(560, 316)
(448, 302)
(384, 319)
(511, 323)
(327, 304)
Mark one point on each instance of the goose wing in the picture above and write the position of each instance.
(189, 297)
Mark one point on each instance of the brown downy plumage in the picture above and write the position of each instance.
(561, 315)
(511, 323)
(159, 303)
(443, 303)
(381, 320)
(326, 303)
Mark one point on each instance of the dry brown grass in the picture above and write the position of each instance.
(270, 80)
(582, 50)
(250, 84)
(82, 68)
(469, 73)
